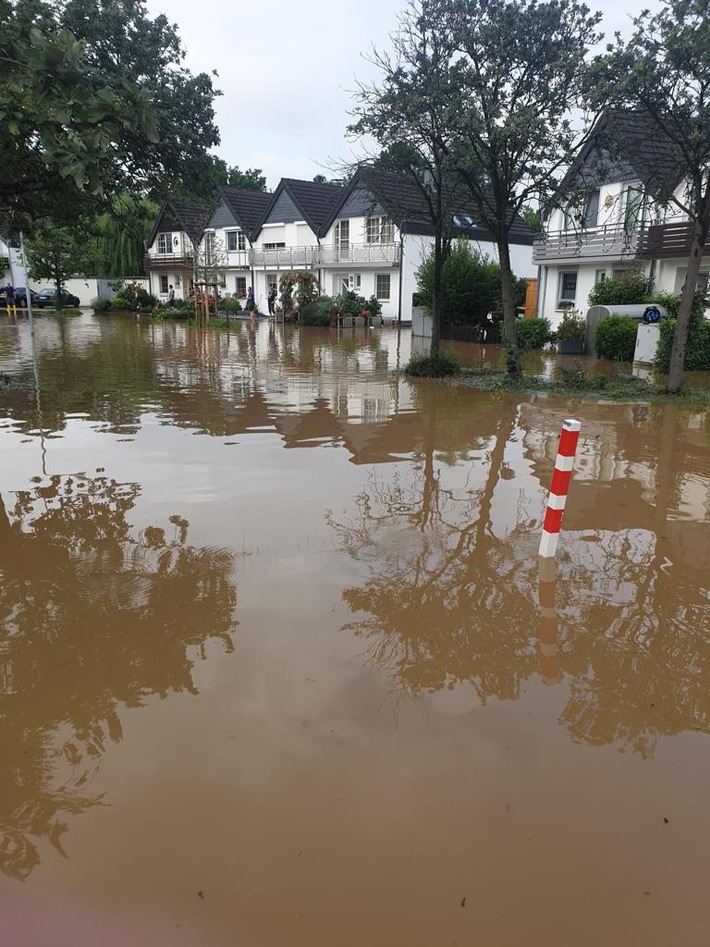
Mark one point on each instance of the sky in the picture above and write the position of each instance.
(287, 71)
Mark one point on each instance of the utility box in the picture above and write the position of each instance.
(422, 322)
(647, 339)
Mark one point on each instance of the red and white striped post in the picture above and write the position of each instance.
(561, 477)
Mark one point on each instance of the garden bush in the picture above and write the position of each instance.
(615, 338)
(318, 312)
(470, 286)
(697, 350)
(532, 333)
(101, 305)
(231, 305)
(436, 365)
(624, 290)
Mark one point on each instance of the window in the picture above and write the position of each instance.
(274, 246)
(599, 276)
(342, 239)
(235, 241)
(379, 230)
(222, 280)
(591, 209)
(351, 283)
(165, 243)
(633, 212)
(164, 285)
(568, 287)
(382, 286)
(272, 282)
(209, 246)
(240, 286)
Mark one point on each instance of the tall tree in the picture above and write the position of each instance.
(518, 66)
(409, 113)
(57, 253)
(232, 176)
(664, 71)
(94, 98)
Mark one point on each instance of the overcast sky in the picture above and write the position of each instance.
(287, 69)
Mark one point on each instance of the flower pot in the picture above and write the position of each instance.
(570, 346)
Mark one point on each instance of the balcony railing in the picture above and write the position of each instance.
(353, 253)
(597, 243)
(360, 253)
(168, 261)
(664, 241)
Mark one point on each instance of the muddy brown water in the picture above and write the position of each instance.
(274, 671)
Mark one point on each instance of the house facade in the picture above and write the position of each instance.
(370, 237)
(618, 217)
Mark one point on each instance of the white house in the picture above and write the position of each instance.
(617, 217)
(370, 237)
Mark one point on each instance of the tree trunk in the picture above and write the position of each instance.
(680, 336)
(512, 352)
(436, 294)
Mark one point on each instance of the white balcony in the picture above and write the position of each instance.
(352, 254)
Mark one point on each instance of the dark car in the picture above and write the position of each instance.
(48, 297)
(20, 297)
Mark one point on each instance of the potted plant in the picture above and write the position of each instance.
(570, 334)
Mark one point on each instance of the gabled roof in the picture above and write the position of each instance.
(312, 200)
(247, 207)
(628, 143)
(402, 200)
(177, 214)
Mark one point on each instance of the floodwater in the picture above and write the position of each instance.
(273, 665)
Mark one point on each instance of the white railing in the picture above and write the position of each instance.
(357, 253)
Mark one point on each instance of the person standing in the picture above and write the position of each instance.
(271, 300)
(250, 306)
(171, 295)
(11, 300)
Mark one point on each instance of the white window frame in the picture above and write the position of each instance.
(163, 280)
(379, 294)
(379, 230)
(351, 283)
(567, 301)
(165, 243)
(238, 292)
(272, 282)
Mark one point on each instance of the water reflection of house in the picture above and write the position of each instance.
(659, 469)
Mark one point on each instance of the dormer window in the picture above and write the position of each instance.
(379, 230)
(591, 209)
(235, 241)
(165, 243)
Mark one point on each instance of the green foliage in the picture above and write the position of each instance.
(133, 297)
(578, 380)
(532, 218)
(120, 235)
(231, 305)
(669, 301)
(373, 306)
(351, 304)
(101, 305)
(533, 333)
(470, 285)
(615, 338)
(319, 312)
(231, 176)
(624, 290)
(437, 365)
(572, 327)
(94, 98)
(57, 253)
(697, 352)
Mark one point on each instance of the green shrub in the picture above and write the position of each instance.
(615, 338)
(669, 301)
(120, 303)
(571, 328)
(697, 350)
(624, 290)
(374, 306)
(173, 312)
(577, 379)
(231, 305)
(532, 333)
(101, 305)
(436, 365)
(350, 303)
(470, 287)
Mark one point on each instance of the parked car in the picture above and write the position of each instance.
(48, 297)
(20, 296)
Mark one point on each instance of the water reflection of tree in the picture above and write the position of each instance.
(93, 617)
(438, 571)
(450, 599)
